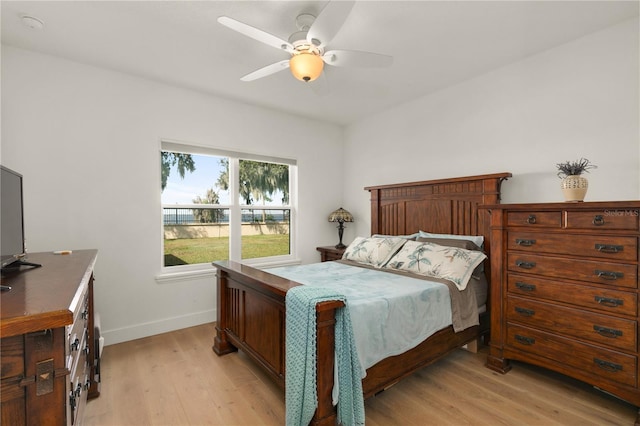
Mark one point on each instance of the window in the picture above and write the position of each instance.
(219, 205)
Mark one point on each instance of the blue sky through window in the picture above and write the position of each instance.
(205, 176)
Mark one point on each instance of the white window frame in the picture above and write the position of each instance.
(235, 210)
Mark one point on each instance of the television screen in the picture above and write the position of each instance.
(12, 246)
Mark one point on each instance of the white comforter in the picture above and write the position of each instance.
(390, 313)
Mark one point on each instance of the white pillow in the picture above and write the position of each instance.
(374, 251)
(451, 263)
(476, 239)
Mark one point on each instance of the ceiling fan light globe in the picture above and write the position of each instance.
(306, 66)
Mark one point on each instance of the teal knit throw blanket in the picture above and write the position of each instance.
(300, 381)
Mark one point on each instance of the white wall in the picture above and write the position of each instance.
(87, 142)
(576, 100)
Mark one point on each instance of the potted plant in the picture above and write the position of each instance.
(574, 185)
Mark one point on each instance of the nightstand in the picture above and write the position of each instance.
(329, 253)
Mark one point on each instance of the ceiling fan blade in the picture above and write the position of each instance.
(256, 34)
(268, 70)
(329, 22)
(354, 58)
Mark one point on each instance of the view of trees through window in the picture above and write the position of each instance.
(204, 214)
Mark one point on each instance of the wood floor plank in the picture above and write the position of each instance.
(176, 379)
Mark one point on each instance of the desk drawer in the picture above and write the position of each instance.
(593, 360)
(602, 329)
(606, 247)
(603, 219)
(596, 298)
(614, 274)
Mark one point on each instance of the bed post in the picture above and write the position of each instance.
(325, 414)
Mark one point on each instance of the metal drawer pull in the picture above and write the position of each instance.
(606, 365)
(525, 340)
(609, 248)
(609, 275)
(75, 345)
(525, 243)
(525, 287)
(608, 301)
(525, 265)
(607, 332)
(525, 312)
(598, 220)
(531, 219)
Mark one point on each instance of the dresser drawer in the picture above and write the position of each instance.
(603, 219)
(535, 219)
(602, 329)
(617, 274)
(587, 359)
(79, 386)
(606, 247)
(12, 356)
(595, 298)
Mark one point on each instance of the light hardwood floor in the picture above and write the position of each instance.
(176, 379)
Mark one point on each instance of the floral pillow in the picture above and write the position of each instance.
(451, 263)
(374, 251)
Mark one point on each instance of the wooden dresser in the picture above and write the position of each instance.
(564, 291)
(47, 349)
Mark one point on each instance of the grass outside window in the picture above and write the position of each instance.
(189, 251)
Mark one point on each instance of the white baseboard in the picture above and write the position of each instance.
(138, 331)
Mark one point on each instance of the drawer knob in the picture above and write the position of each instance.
(598, 220)
(525, 243)
(525, 340)
(531, 219)
(609, 301)
(606, 365)
(525, 312)
(525, 287)
(609, 275)
(607, 332)
(609, 248)
(75, 345)
(525, 265)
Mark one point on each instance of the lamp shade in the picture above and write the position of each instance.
(340, 215)
(306, 66)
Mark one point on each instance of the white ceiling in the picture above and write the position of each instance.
(435, 44)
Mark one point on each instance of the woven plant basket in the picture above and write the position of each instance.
(574, 188)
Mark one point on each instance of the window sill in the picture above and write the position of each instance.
(195, 272)
(185, 275)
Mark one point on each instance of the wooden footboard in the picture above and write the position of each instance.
(251, 317)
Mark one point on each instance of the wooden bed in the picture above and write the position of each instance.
(251, 302)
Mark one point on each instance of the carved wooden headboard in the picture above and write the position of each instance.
(443, 206)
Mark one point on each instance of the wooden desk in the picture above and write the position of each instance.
(47, 345)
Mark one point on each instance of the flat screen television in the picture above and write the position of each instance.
(12, 245)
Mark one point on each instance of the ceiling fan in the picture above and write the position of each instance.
(307, 47)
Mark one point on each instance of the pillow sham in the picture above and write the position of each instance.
(451, 242)
(406, 237)
(476, 239)
(424, 258)
(374, 251)
(455, 242)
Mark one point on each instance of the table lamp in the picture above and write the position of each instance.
(341, 216)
